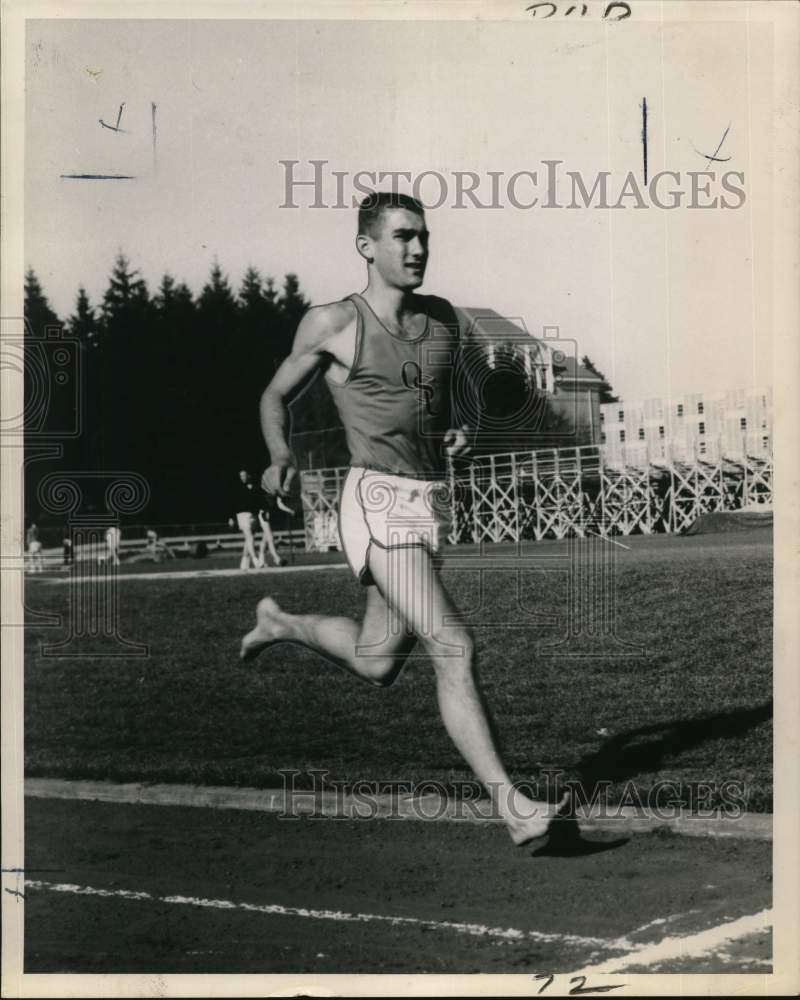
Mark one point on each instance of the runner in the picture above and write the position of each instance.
(388, 356)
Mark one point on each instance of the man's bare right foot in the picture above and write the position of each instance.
(532, 823)
(271, 627)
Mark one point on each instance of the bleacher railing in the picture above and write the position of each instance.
(565, 492)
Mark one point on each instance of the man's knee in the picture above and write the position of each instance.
(380, 671)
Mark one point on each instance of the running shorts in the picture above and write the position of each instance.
(391, 512)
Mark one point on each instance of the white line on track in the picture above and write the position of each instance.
(633, 955)
(686, 946)
(275, 909)
(197, 574)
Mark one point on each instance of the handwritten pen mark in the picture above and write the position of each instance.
(93, 73)
(618, 3)
(582, 989)
(99, 177)
(114, 128)
(714, 158)
(15, 892)
(644, 136)
(533, 7)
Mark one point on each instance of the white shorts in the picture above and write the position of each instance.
(245, 520)
(35, 548)
(392, 512)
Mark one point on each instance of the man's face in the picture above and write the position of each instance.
(399, 249)
(243, 476)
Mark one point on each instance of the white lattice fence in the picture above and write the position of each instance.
(563, 493)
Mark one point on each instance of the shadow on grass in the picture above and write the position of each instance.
(630, 753)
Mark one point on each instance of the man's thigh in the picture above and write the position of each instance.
(409, 582)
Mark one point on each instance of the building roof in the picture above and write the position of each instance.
(487, 325)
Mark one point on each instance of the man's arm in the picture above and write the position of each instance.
(308, 356)
(460, 437)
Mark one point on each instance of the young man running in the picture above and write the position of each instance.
(388, 355)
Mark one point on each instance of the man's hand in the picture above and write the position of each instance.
(280, 477)
(456, 442)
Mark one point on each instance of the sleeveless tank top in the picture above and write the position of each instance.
(396, 402)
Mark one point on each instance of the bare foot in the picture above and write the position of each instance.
(271, 627)
(530, 820)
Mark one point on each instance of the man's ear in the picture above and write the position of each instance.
(364, 247)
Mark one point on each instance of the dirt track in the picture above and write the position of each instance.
(573, 911)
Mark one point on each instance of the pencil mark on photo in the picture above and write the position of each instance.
(114, 128)
(99, 177)
(713, 158)
(644, 137)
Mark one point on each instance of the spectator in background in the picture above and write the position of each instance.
(34, 548)
(66, 550)
(246, 506)
(113, 538)
(271, 503)
(154, 549)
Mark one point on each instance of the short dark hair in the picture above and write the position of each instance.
(377, 202)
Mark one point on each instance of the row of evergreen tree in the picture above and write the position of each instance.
(170, 383)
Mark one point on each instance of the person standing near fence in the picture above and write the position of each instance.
(271, 503)
(113, 538)
(34, 546)
(247, 504)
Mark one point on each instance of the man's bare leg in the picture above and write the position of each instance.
(374, 650)
(414, 595)
(411, 583)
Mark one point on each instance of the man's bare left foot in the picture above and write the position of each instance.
(270, 628)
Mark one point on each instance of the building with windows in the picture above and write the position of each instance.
(694, 428)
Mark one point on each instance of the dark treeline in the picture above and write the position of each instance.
(170, 385)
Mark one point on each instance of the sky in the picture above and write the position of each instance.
(664, 302)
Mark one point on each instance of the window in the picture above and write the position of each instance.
(742, 423)
(661, 432)
(602, 417)
(699, 407)
(680, 409)
(701, 427)
(602, 437)
(621, 415)
(622, 435)
(702, 447)
(765, 443)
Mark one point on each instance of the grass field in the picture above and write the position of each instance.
(694, 708)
